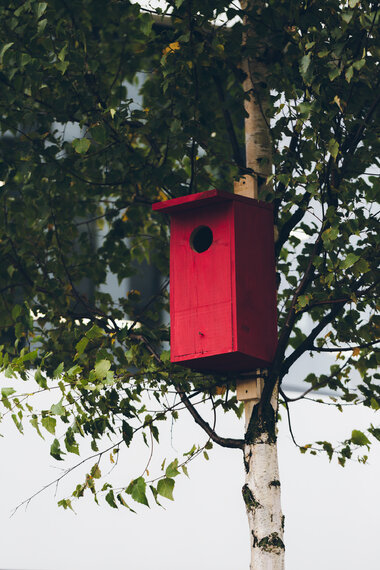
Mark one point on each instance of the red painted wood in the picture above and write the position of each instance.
(223, 300)
(202, 199)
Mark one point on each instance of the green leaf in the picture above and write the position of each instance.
(49, 424)
(95, 332)
(137, 489)
(155, 495)
(66, 504)
(41, 26)
(58, 409)
(359, 64)
(41, 7)
(3, 50)
(5, 392)
(28, 356)
(165, 356)
(62, 67)
(99, 134)
(303, 301)
(74, 370)
(16, 312)
(70, 443)
(81, 345)
(359, 438)
(334, 73)
(361, 266)
(375, 404)
(62, 53)
(17, 423)
(40, 379)
(55, 450)
(347, 16)
(127, 431)
(165, 488)
(375, 432)
(34, 423)
(349, 73)
(58, 371)
(95, 471)
(184, 469)
(305, 63)
(172, 469)
(110, 498)
(81, 146)
(349, 261)
(146, 25)
(101, 368)
(333, 147)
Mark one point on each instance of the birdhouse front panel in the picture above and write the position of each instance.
(201, 282)
(222, 282)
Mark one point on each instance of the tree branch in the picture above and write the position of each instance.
(343, 349)
(223, 441)
(291, 317)
(308, 342)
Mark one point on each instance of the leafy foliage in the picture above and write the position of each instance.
(75, 209)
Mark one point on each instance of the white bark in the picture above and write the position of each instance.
(262, 498)
(258, 142)
(262, 495)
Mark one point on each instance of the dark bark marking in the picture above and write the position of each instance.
(249, 499)
(271, 543)
(263, 420)
(246, 461)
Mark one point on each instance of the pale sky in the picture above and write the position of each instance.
(332, 514)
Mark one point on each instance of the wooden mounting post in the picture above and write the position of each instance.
(247, 186)
(249, 388)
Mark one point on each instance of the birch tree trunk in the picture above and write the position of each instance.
(262, 489)
(258, 145)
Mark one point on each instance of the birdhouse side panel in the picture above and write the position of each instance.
(201, 283)
(256, 311)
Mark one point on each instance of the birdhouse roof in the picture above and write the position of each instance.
(191, 201)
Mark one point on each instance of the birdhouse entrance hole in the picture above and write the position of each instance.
(201, 239)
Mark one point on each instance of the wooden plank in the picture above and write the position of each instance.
(200, 293)
(246, 186)
(249, 389)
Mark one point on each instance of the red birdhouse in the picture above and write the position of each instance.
(222, 281)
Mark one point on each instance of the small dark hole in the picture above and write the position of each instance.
(201, 239)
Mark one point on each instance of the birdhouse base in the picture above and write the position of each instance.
(229, 362)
